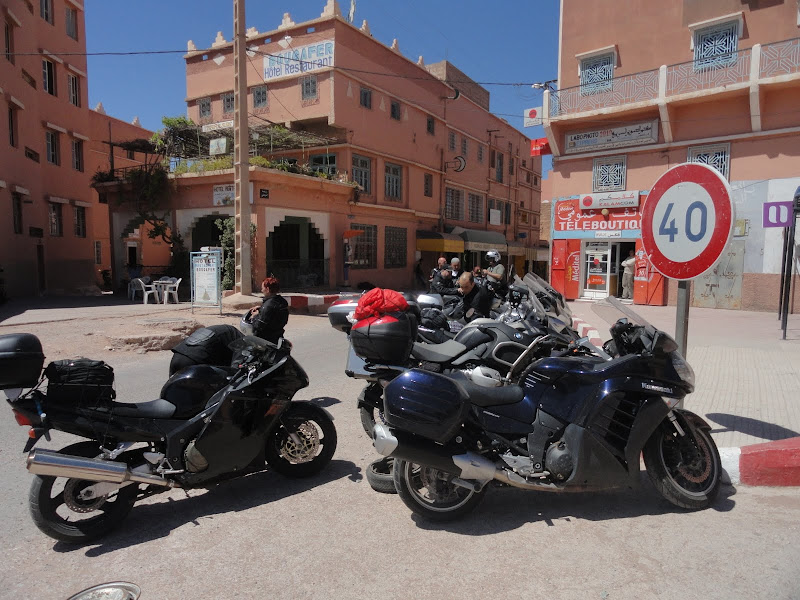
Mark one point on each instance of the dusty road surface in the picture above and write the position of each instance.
(331, 536)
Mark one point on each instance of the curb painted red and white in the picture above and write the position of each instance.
(310, 302)
(770, 464)
(584, 329)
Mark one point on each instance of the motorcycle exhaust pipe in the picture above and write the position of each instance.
(53, 464)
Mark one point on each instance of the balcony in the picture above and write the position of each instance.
(774, 61)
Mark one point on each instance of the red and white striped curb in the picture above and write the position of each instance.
(317, 301)
(584, 329)
(769, 464)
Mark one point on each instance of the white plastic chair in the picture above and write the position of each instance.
(172, 290)
(147, 290)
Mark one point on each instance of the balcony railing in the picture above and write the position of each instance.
(708, 73)
(780, 58)
(774, 59)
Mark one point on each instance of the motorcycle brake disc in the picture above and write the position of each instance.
(72, 499)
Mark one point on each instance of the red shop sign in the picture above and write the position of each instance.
(569, 217)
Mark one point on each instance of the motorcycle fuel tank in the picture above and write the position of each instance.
(191, 388)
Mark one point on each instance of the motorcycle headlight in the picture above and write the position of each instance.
(683, 368)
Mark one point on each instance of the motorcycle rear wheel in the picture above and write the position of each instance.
(686, 470)
(312, 448)
(431, 494)
(50, 498)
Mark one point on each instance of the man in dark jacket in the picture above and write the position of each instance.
(443, 283)
(269, 319)
(206, 346)
(477, 299)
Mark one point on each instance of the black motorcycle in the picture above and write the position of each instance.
(578, 421)
(209, 424)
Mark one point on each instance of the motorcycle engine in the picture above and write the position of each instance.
(559, 461)
(484, 376)
(195, 462)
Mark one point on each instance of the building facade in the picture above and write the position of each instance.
(53, 231)
(436, 172)
(716, 82)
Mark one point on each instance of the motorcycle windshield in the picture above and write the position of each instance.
(535, 307)
(611, 310)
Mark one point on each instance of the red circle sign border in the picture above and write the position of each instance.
(718, 189)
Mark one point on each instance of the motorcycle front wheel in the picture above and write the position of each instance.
(303, 443)
(684, 469)
(431, 493)
(60, 510)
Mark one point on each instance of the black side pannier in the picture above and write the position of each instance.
(80, 381)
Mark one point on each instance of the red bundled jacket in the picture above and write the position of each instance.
(379, 301)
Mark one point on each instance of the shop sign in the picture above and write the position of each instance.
(532, 117)
(607, 234)
(636, 134)
(568, 217)
(224, 195)
(596, 280)
(610, 200)
(216, 126)
(295, 61)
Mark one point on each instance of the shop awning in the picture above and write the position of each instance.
(476, 240)
(433, 241)
(516, 248)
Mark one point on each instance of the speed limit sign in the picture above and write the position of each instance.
(687, 220)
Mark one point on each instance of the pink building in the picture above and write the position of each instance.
(716, 82)
(437, 172)
(52, 230)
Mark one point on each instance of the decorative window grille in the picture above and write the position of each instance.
(454, 204)
(80, 222)
(51, 142)
(394, 247)
(451, 141)
(597, 74)
(608, 174)
(431, 125)
(54, 217)
(716, 46)
(260, 96)
(394, 182)
(74, 89)
(77, 155)
(428, 185)
(480, 153)
(323, 163)
(499, 168)
(227, 103)
(366, 97)
(464, 147)
(715, 155)
(71, 22)
(395, 110)
(205, 107)
(308, 87)
(475, 208)
(16, 203)
(362, 173)
(98, 253)
(365, 252)
(48, 77)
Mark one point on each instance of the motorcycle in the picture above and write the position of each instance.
(210, 424)
(578, 421)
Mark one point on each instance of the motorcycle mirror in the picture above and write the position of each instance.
(118, 590)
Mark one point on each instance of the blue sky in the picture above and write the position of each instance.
(512, 41)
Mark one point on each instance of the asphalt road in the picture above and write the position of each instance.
(331, 536)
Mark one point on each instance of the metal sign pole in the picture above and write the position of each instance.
(783, 271)
(787, 279)
(682, 317)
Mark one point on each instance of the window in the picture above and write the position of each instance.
(430, 127)
(71, 21)
(77, 155)
(428, 185)
(475, 208)
(608, 174)
(366, 97)
(49, 77)
(394, 247)
(716, 46)
(32, 154)
(535, 180)
(480, 153)
(98, 253)
(130, 154)
(46, 10)
(16, 211)
(499, 168)
(492, 159)
(227, 103)
(597, 73)
(524, 165)
(74, 89)
(308, 87)
(9, 41)
(204, 105)
(80, 222)
(395, 110)
(451, 141)
(394, 182)
(362, 173)
(715, 155)
(507, 220)
(323, 163)
(527, 177)
(12, 127)
(51, 141)
(453, 204)
(365, 252)
(464, 146)
(54, 216)
(260, 96)
(510, 165)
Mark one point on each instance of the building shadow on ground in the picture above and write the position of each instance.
(754, 427)
(17, 306)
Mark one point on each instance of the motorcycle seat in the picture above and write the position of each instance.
(439, 353)
(154, 409)
(489, 396)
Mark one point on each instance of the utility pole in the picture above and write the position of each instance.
(241, 153)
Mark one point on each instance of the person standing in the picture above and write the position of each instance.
(419, 277)
(455, 268)
(440, 264)
(627, 275)
(496, 272)
(269, 320)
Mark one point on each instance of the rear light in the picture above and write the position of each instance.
(21, 419)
